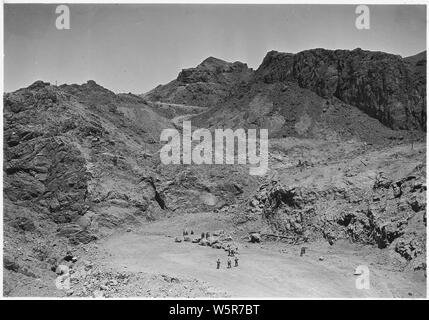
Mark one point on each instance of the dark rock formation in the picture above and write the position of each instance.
(390, 215)
(207, 84)
(385, 86)
(294, 94)
(60, 144)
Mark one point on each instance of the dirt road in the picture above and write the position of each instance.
(261, 272)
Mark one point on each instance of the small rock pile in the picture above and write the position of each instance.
(217, 240)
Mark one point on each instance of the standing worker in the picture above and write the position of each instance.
(218, 263)
(236, 261)
(229, 263)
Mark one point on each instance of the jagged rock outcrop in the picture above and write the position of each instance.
(70, 157)
(385, 86)
(40, 164)
(204, 187)
(205, 85)
(391, 214)
(287, 110)
(397, 211)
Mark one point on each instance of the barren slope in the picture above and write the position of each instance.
(346, 165)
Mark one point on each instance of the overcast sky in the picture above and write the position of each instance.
(133, 48)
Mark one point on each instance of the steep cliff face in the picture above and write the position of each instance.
(386, 87)
(206, 85)
(40, 164)
(71, 157)
(288, 110)
(376, 198)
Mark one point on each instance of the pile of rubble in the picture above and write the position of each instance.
(217, 240)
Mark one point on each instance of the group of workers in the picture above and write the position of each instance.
(231, 253)
(229, 263)
(185, 232)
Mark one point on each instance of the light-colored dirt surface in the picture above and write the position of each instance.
(265, 270)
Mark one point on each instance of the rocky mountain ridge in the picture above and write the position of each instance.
(382, 85)
(386, 87)
(205, 85)
(81, 162)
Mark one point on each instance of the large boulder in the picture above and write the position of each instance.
(62, 269)
(204, 242)
(255, 237)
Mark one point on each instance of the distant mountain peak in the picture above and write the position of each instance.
(357, 77)
(212, 60)
(91, 83)
(38, 84)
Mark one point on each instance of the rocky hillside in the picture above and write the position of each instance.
(68, 149)
(372, 107)
(347, 156)
(287, 110)
(384, 86)
(81, 162)
(375, 198)
(207, 84)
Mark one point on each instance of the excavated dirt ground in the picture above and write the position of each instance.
(265, 270)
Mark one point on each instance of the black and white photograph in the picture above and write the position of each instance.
(215, 151)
